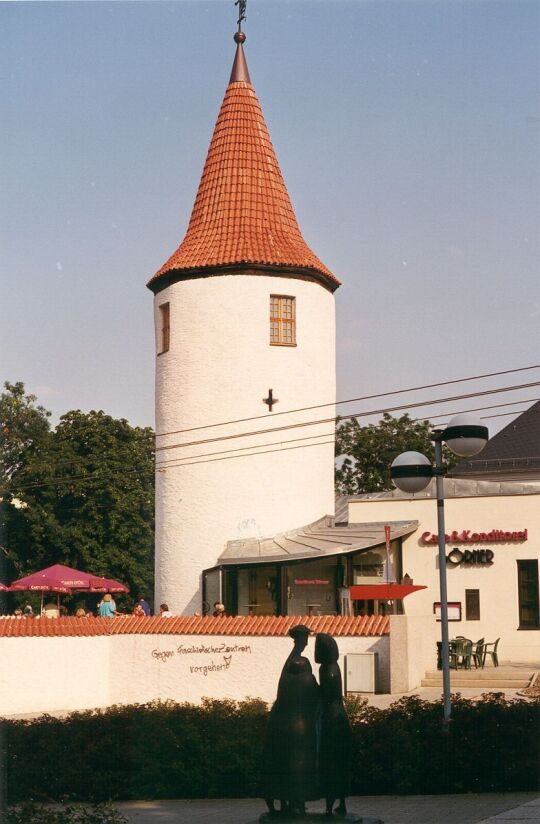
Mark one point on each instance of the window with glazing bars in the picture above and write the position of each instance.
(282, 320)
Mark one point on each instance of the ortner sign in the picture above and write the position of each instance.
(466, 536)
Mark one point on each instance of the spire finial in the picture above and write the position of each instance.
(241, 14)
(240, 72)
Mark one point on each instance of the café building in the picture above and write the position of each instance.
(492, 551)
(328, 568)
(378, 555)
(492, 525)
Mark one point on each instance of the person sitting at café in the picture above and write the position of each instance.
(18, 613)
(219, 610)
(138, 611)
(107, 607)
(50, 610)
(80, 613)
(144, 604)
(28, 612)
(164, 611)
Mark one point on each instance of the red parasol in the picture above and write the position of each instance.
(44, 581)
(60, 578)
(106, 585)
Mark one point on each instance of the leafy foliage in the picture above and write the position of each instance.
(213, 750)
(368, 451)
(24, 430)
(81, 495)
(32, 813)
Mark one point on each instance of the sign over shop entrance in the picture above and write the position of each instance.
(478, 557)
(467, 536)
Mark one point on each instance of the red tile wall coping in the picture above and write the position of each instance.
(372, 626)
(242, 213)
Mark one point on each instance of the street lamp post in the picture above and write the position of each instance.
(411, 472)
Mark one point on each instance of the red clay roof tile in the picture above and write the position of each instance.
(242, 213)
(263, 625)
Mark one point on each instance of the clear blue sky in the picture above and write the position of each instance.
(408, 136)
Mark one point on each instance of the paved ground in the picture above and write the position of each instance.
(434, 694)
(494, 808)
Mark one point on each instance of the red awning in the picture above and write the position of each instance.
(384, 592)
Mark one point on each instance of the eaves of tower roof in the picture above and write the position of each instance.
(242, 216)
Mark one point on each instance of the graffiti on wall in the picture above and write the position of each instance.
(224, 656)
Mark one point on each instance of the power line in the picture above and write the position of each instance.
(171, 463)
(176, 461)
(350, 400)
(102, 474)
(494, 406)
(362, 414)
(250, 454)
(81, 462)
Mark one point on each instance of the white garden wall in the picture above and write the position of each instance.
(55, 674)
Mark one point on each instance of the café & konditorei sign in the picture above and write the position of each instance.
(474, 557)
(467, 536)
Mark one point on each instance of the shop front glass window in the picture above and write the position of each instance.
(257, 591)
(211, 589)
(374, 566)
(311, 588)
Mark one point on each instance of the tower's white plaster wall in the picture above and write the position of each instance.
(219, 367)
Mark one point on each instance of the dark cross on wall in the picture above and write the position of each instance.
(270, 400)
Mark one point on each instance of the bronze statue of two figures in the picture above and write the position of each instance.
(307, 749)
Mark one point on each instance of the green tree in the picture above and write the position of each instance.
(25, 437)
(24, 430)
(368, 451)
(85, 499)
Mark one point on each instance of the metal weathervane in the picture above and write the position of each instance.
(241, 12)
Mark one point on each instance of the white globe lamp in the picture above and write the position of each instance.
(465, 435)
(411, 472)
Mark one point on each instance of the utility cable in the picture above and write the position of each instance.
(350, 400)
(362, 414)
(172, 462)
(102, 474)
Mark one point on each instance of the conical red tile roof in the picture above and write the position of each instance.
(242, 212)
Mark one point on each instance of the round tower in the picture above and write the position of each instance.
(245, 344)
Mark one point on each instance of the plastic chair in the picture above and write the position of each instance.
(466, 654)
(460, 652)
(455, 651)
(477, 653)
(492, 652)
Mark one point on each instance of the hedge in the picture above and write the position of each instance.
(213, 750)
